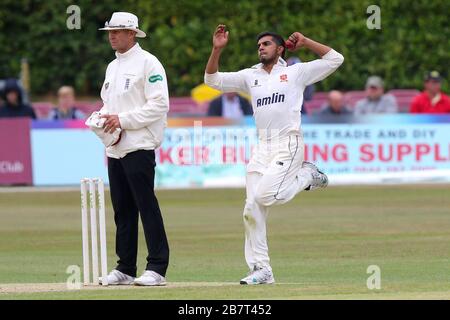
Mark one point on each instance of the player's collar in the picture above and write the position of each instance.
(280, 63)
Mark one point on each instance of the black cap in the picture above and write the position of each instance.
(433, 75)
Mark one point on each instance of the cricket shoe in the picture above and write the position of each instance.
(116, 277)
(150, 278)
(262, 275)
(319, 179)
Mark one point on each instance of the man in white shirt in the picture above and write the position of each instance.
(230, 105)
(276, 171)
(136, 100)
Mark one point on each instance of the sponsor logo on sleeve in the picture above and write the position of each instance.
(155, 78)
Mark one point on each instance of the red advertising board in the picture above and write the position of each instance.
(15, 152)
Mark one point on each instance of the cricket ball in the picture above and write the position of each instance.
(289, 44)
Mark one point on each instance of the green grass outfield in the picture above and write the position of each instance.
(321, 244)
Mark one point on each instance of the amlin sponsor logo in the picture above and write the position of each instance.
(275, 98)
(11, 167)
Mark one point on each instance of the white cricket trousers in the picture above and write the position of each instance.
(274, 176)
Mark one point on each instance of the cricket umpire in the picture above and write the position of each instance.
(136, 100)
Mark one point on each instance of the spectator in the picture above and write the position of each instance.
(431, 100)
(376, 101)
(335, 105)
(2, 88)
(309, 90)
(14, 105)
(65, 109)
(230, 105)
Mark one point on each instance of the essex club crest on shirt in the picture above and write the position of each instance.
(283, 78)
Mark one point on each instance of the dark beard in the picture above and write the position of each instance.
(268, 61)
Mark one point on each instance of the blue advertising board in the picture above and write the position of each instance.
(401, 148)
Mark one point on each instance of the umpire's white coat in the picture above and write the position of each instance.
(135, 88)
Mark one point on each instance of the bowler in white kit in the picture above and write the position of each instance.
(276, 171)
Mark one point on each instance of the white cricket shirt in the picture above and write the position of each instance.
(277, 97)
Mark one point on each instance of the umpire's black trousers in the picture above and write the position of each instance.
(131, 181)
